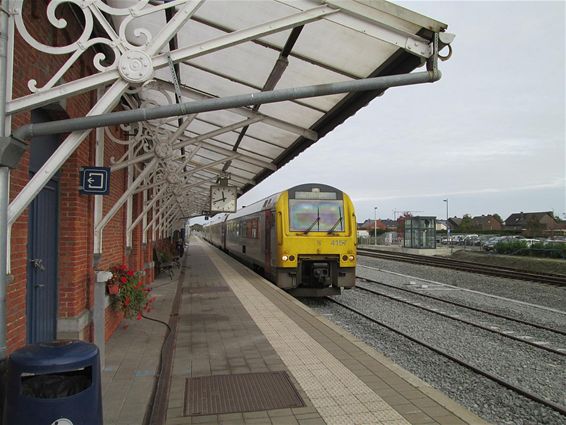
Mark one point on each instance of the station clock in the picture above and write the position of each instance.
(223, 198)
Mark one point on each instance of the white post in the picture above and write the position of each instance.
(98, 199)
(375, 226)
(144, 218)
(129, 200)
(99, 312)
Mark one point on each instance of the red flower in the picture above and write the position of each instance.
(128, 292)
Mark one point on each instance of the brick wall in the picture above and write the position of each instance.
(75, 261)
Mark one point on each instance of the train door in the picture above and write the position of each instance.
(267, 242)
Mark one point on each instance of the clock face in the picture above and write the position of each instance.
(223, 198)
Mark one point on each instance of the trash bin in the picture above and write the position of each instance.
(54, 383)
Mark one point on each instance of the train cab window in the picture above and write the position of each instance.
(316, 215)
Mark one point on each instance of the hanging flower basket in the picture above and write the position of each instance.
(128, 293)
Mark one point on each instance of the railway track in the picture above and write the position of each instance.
(524, 392)
(507, 272)
(490, 328)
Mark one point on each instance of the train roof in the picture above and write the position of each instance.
(269, 201)
(218, 218)
(265, 203)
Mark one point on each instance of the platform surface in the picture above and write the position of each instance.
(234, 325)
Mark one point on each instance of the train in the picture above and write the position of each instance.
(302, 239)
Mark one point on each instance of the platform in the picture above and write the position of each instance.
(248, 353)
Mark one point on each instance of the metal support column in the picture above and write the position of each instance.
(156, 214)
(100, 227)
(129, 200)
(98, 199)
(147, 207)
(144, 218)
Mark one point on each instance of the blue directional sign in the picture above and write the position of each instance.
(95, 181)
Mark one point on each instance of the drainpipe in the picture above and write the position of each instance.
(4, 178)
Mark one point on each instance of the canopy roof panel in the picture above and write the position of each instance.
(201, 50)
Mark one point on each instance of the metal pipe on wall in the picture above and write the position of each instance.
(124, 117)
(4, 178)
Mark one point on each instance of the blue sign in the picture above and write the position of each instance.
(95, 181)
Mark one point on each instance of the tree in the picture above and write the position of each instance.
(498, 218)
(401, 223)
(534, 227)
(467, 225)
(196, 227)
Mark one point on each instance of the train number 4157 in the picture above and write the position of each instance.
(338, 242)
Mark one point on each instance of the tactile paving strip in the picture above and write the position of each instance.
(248, 392)
(205, 289)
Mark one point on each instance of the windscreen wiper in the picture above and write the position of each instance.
(316, 220)
(337, 222)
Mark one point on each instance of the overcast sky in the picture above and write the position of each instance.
(489, 136)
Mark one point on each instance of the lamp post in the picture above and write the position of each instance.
(375, 225)
(447, 225)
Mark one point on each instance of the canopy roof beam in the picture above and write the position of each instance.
(157, 196)
(104, 104)
(159, 212)
(82, 85)
(199, 139)
(246, 112)
(369, 21)
(130, 190)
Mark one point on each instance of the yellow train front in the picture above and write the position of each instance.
(302, 239)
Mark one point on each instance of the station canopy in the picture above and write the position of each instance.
(166, 53)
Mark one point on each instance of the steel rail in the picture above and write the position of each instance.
(457, 262)
(467, 322)
(506, 272)
(479, 310)
(550, 404)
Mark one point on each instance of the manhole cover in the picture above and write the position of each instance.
(249, 392)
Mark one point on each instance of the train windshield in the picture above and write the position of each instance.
(310, 215)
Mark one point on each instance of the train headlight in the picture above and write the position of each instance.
(351, 258)
(284, 258)
(344, 258)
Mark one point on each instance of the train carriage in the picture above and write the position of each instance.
(303, 239)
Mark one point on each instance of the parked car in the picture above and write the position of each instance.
(530, 242)
(471, 240)
(489, 245)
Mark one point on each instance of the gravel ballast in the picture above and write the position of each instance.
(540, 372)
